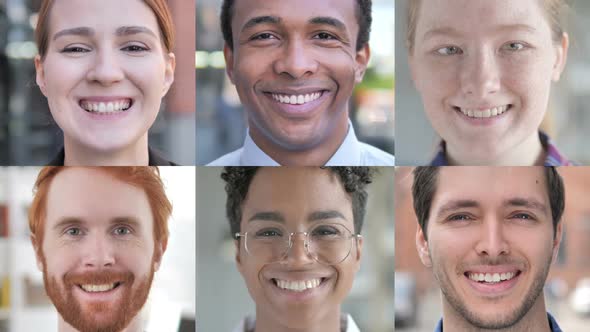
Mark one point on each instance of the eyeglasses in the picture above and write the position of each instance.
(326, 243)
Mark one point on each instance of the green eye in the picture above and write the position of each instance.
(74, 231)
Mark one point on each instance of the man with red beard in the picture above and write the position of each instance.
(489, 234)
(99, 234)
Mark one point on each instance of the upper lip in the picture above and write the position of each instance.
(302, 91)
(481, 107)
(297, 275)
(493, 269)
(104, 98)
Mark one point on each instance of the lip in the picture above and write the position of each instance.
(482, 122)
(107, 296)
(494, 290)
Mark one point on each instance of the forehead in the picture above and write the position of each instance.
(490, 185)
(295, 11)
(99, 15)
(94, 196)
(475, 16)
(296, 192)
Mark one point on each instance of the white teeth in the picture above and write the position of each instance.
(296, 99)
(472, 113)
(491, 277)
(298, 286)
(97, 288)
(102, 107)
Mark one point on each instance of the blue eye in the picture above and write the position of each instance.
(74, 231)
(449, 50)
(514, 46)
(122, 231)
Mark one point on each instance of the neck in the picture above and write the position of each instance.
(534, 320)
(315, 155)
(267, 322)
(134, 155)
(529, 152)
(136, 325)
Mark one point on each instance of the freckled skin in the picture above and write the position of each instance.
(295, 54)
(486, 71)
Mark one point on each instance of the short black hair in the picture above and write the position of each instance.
(425, 183)
(363, 16)
(238, 179)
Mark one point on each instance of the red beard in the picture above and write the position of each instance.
(98, 316)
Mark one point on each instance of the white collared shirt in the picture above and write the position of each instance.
(247, 324)
(351, 152)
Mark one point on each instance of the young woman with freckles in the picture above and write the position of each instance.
(104, 68)
(484, 70)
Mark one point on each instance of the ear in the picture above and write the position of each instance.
(422, 247)
(38, 251)
(169, 72)
(561, 59)
(159, 251)
(40, 74)
(362, 60)
(557, 240)
(412, 70)
(359, 251)
(228, 54)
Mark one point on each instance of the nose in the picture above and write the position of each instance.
(105, 68)
(492, 240)
(298, 253)
(480, 74)
(98, 252)
(296, 60)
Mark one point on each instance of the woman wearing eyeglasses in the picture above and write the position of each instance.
(297, 241)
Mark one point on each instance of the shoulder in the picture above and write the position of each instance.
(372, 156)
(230, 159)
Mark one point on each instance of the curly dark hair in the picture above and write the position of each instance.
(354, 180)
(426, 179)
(363, 16)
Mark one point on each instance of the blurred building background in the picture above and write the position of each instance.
(24, 306)
(222, 297)
(221, 122)
(571, 267)
(28, 134)
(567, 120)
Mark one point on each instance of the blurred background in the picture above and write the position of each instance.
(24, 306)
(222, 297)
(221, 122)
(567, 120)
(567, 289)
(28, 134)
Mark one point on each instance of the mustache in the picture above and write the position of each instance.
(98, 277)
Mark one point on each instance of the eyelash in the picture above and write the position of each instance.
(265, 34)
(460, 217)
(458, 50)
(75, 49)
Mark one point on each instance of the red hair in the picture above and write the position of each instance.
(145, 177)
(158, 7)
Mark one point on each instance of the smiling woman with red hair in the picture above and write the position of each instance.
(104, 68)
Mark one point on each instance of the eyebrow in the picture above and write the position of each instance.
(268, 216)
(323, 215)
(132, 221)
(67, 221)
(456, 205)
(121, 31)
(454, 32)
(326, 20)
(529, 203)
(266, 19)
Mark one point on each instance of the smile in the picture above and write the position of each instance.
(296, 99)
(485, 113)
(297, 286)
(106, 107)
(491, 278)
(99, 288)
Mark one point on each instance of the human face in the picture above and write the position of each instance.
(315, 196)
(294, 65)
(98, 260)
(105, 72)
(503, 217)
(484, 70)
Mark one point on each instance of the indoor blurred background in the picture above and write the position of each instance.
(24, 306)
(567, 290)
(221, 122)
(567, 120)
(222, 297)
(28, 134)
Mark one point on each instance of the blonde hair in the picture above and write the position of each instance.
(554, 10)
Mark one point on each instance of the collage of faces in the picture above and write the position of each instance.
(294, 165)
